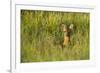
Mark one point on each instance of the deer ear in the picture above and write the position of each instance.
(71, 26)
(62, 27)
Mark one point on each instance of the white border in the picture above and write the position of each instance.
(17, 66)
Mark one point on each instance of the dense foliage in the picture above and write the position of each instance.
(41, 36)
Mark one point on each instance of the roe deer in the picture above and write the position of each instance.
(66, 30)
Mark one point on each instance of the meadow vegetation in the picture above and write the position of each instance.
(41, 36)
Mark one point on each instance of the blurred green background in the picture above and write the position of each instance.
(40, 36)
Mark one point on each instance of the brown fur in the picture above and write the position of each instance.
(66, 38)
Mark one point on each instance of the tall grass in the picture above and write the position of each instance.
(41, 36)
